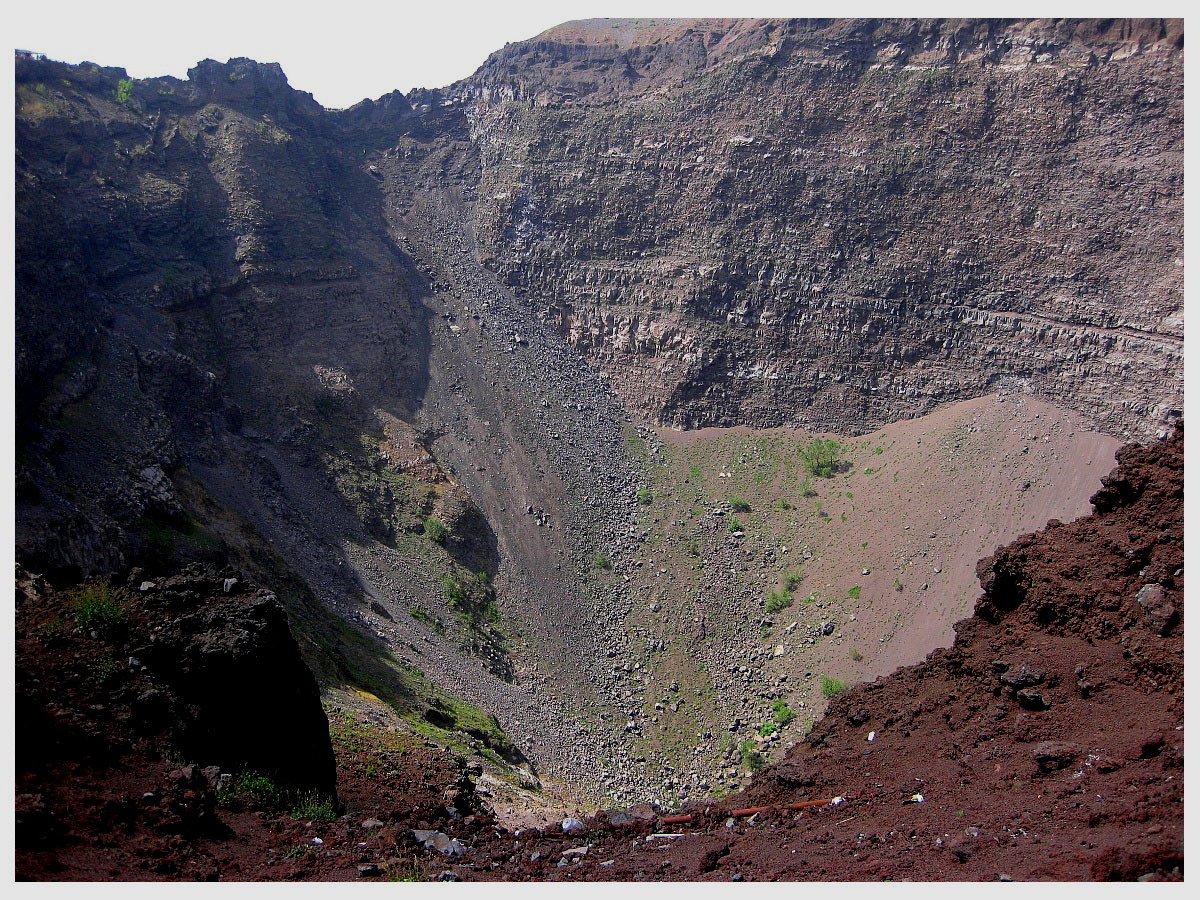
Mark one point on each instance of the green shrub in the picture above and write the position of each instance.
(98, 608)
(778, 600)
(855, 592)
(435, 530)
(737, 504)
(751, 758)
(782, 504)
(768, 728)
(734, 524)
(792, 581)
(821, 457)
(250, 787)
(806, 488)
(782, 712)
(644, 496)
(831, 687)
(473, 597)
(601, 562)
(314, 807)
(124, 86)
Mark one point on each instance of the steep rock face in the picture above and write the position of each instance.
(842, 223)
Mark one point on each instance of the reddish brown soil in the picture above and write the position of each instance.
(1046, 744)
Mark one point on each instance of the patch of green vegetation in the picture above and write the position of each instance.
(405, 871)
(473, 596)
(849, 496)
(768, 728)
(299, 850)
(695, 473)
(897, 585)
(792, 580)
(821, 457)
(169, 539)
(644, 496)
(855, 592)
(761, 477)
(98, 608)
(124, 86)
(751, 758)
(734, 524)
(421, 615)
(831, 687)
(782, 713)
(435, 530)
(856, 655)
(781, 504)
(602, 562)
(778, 601)
(737, 504)
(877, 451)
(102, 671)
(314, 807)
(254, 789)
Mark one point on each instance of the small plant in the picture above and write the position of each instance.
(877, 451)
(473, 597)
(694, 472)
(259, 790)
(782, 504)
(855, 592)
(734, 524)
(792, 581)
(435, 530)
(768, 728)
(314, 807)
(124, 86)
(99, 609)
(299, 850)
(782, 713)
(777, 601)
(806, 488)
(849, 495)
(856, 656)
(897, 585)
(644, 496)
(831, 687)
(751, 758)
(601, 562)
(843, 517)
(821, 457)
(737, 504)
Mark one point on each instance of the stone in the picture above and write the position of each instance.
(572, 825)
(1032, 700)
(1160, 612)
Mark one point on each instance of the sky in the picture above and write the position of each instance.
(342, 51)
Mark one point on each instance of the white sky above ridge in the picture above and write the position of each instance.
(345, 51)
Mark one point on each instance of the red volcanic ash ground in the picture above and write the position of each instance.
(1045, 744)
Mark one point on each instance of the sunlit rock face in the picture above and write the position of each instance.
(843, 223)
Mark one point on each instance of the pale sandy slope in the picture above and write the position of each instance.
(929, 494)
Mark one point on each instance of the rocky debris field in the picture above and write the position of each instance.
(1045, 744)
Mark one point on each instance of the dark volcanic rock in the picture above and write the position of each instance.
(252, 704)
